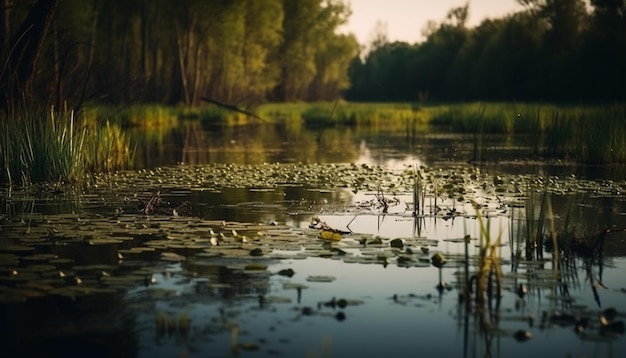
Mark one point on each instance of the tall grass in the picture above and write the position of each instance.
(489, 266)
(149, 116)
(39, 145)
(581, 133)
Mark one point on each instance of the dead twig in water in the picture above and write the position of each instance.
(319, 137)
(232, 108)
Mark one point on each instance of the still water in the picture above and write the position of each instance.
(84, 273)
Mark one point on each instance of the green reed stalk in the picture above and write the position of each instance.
(418, 194)
(489, 262)
(39, 145)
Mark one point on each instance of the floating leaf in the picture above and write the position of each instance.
(171, 256)
(294, 286)
(104, 241)
(330, 235)
(320, 279)
(19, 249)
(438, 260)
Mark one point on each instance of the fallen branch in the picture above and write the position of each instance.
(232, 108)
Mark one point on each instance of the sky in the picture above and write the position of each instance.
(405, 19)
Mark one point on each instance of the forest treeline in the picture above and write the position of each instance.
(554, 50)
(135, 51)
(248, 52)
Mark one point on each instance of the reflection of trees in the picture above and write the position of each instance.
(194, 144)
(154, 146)
(225, 281)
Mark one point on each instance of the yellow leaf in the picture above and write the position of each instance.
(330, 235)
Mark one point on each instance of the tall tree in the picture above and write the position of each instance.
(307, 24)
(24, 50)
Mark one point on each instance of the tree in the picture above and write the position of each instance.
(307, 26)
(434, 58)
(604, 50)
(23, 52)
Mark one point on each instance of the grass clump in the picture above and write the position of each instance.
(37, 145)
(149, 116)
(581, 133)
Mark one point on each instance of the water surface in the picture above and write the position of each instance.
(97, 277)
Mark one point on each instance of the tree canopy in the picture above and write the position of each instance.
(121, 51)
(557, 50)
(247, 52)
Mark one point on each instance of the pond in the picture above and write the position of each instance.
(267, 241)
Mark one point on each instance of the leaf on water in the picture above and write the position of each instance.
(320, 279)
(172, 257)
(104, 241)
(330, 235)
(19, 248)
(40, 257)
(294, 286)
(459, 240)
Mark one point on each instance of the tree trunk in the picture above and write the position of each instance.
(25, 47)
(5, 24)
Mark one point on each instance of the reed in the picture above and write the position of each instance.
(375, 115)
(478, 116)
(489, 265)
(39, 145)
(148, 116)
(107, 149)
(419, 193)
(535, 225)
(575, 132)
(581, 133)
(600, 136)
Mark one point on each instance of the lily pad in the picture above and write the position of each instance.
(320, 278)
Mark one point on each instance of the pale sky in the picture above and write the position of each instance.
(405, 19)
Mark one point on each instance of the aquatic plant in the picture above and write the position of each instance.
(107, 148)
(582, 133)
(419, 193)
(39, 145)
(489, 266)
(149, 116)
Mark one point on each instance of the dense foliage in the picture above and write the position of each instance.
(121, 51)
(249, 52)
(555, 50)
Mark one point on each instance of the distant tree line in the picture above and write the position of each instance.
(132, 51)
(247, 52)
(556, 50)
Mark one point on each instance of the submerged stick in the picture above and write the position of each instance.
(232, 108)
(332, 112)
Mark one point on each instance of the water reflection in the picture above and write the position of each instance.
(193, 143)
(98, 278)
